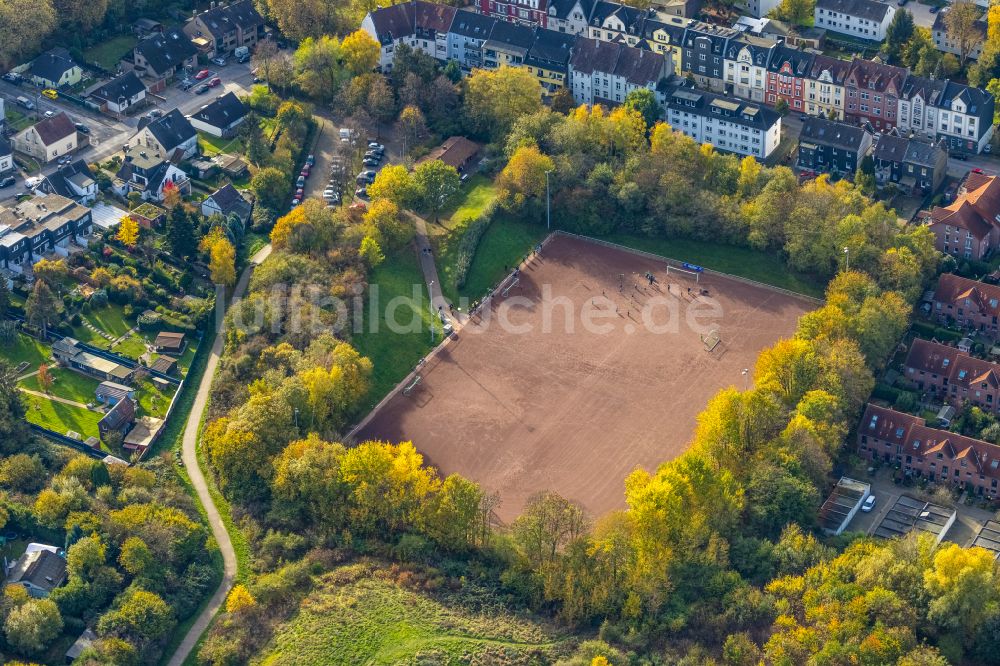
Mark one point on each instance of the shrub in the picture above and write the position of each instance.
(887, 393)
(470, 242)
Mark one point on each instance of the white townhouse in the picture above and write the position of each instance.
(917, 107)
(864, 19)
(603, 73)
(420, 25)
(757, 8)
(729, 124)
(570, 16)
(746, 66)
(469, 31)
(965, 118)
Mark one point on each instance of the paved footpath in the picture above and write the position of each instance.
(190, 457)
(429, 268)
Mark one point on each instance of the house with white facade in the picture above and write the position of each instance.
(729, 124)
(120, 94)
(48, 139)
(864, 19)
(965, 118)
(420, 25)
(918, 105)
(757, 8)
(746, 62)
(569, 16)
(603, 73)
(469, 31)
(6, 155)
(170, 137)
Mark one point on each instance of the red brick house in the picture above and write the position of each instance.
(969, 303)
(953, 376)
(893, 437)
(968, 227)
(872, 90)
(527, 12)
(787, 72)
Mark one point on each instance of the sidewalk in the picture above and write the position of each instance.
(429, 267)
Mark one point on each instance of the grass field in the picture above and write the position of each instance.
(153, 401)
(110, 51)
(66, 384)
(60, 418)
(395, 354)
(110, 319)
(359, 616)
(213, 145)
(17, 120)
(478, 192)
(26, 350)
(503, 245)
(133, 346)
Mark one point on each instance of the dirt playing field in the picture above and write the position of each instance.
(539, 396)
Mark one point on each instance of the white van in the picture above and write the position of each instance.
(25, 102)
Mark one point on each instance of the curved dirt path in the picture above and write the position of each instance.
(190, 457)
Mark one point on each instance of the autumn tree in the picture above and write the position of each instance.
(31, 627)
(271, 186)
(494, 100)
(961, 22)
(24, 26)
(412, 127)
(394, 183)
(308, 228)
(386, 226)
(299, 19)
(524, 177)
(128, 232)
(799, 12)
(44, 378)
(437, 185)
(139, 615)
(360, 52)
(171, 195)
(221, 257)
(644, 101)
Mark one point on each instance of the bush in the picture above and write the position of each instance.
(886, 393)
(470, 242)
(924, 329)
(948, 335)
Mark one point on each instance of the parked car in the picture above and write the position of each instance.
(220, 61)
(50, 93)
(203, 74)
(301, 182)
(216, 81)
(361, 192)
(296, 201)
(299, 192)
(201, 90)
(155, 113)
(310, 161)
(8, 181)
(49, 114)
(65, 159)
(305, 172)
(370, 162)
(81, 128)
(13, 77)
(366, 177)
(376, 146)
(934, 9)
(24, 102)
(187, 84)
(869, 504)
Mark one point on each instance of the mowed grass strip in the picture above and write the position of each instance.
(26, 349)
(60, 417)
(66, 384)
(373, 620)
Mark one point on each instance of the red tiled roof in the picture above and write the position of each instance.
(976, 207)
(956, 290)
(931, 357)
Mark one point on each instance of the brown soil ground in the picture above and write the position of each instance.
(574, 411)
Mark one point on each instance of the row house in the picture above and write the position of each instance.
(965, 118)
(508, 45)
(613, 22)
(918, 165)
(968, 303)
(602, 73)
(786, 76)
(968, 227)
(162, 57)
(704, 54)
(469, 31)
(665, 35)
(872, 93)
(39, 226)
(422, 26)
(729, 124)
(939, 455)
(946, 42)
(221, 29)
(953, 376)
(569, 16)
(827, 146)
(548, 59)
(824, 88)
(864, 19)
(919, 100)
(746, 61)
(525, 12)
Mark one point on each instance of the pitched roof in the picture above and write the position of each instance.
(798, 60)
(837, 68)
(831, 133)
(956, 290)
(222, 112)
(56, 128)
(931, 357)
(550, 47)
(229, 200)
(78, 173)
(877, 76)
(923, 153)
(975, 208)
(433, 16)
(164, 365)
(223, 19)
(164, 51)
(127, 85)
(41, 568)
(760, 49)
(564, 7)
(639, 66)
(929, 90)
(890, 148)
(631, 17)
(591, 55)
(887, 424)
(393, 22)
(512, 34)
(704, 103)
(118, 416)
(470, 24)
(454, 152)
(171, 130)
(112, 390)
(52, 64)
(866, 9)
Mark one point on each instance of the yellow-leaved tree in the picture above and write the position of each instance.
(221, 257)
(128, 232)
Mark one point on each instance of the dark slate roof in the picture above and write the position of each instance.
(800, 61)
(930, 90)
(167, 50)
(866, 9)
(639, 66)
(630, 16)
(4, 146)
(738, 111)
(718, 35)
(550, 47)
(468, 24)
(393, 22)
(221, 20)
(830, 133)
(760, 49)
(229, 200)
(890, 148)
(512, 34)
(878, 76)
(591, 55)
(432, 16)
(77, 171)
(838, 68)
(564, 7)
(51, 65)
(171, 130)
(924, 153)
(42, 568)
(127, 85)
(976, 99)
(119, 416)
(223, 112)
(54, 129)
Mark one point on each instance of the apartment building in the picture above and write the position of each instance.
(968, 303)
(864, 19)
(729, 124)
(602, 73)
(967, 228)
(747, 58)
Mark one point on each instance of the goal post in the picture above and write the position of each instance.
(694, 275)
(413, 384)
(512, 284)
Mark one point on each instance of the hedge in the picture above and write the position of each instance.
(470, 242)
(887, 393)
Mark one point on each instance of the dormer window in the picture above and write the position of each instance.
(945, 363)
(961, 374)
(899, 432)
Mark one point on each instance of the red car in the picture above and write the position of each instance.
(201, 75)
(215, 82)
(298, 193)
(304, 173)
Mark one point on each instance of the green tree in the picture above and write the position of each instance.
(181, 236)
(271, 187)
(24, 26)
(394, 183)
(437, 185)
(451, 517)
(136, 557)
(139, 616)
(799, 12)
(31, 627)
(960, 21)
(644, 101)
(42, 306)
(781, 106)
(85, 557)
(899, 32)
(963, 585)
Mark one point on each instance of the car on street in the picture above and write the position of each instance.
(65, 159)
(366, 178)
(361, 192)
(961, 157)
(203, 74)
(50, 93)
(33, 182)
(305, 172)
(201, 90)
(216, 81)
(156, 113)
(331, 194)
(8, 181)
(299, 192)
(187, 84)
(81, 128)
(869, 504)
(301, 182)
(310, 160)
(50, 113)
(220, 61)
(296, 201)
(378, 147)
(12, 77)
(370, 162)
(934, 9)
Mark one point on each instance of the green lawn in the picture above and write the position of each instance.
(67, 384)
(504, 244)
(61, 418)
(17, 120)
(355, 617)
(133, 346)
(394, 354)
(213, 145)
(110, 319)
(739, 261)
(110, 51)
(84, 334)
(477, 192)
(26, 349)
